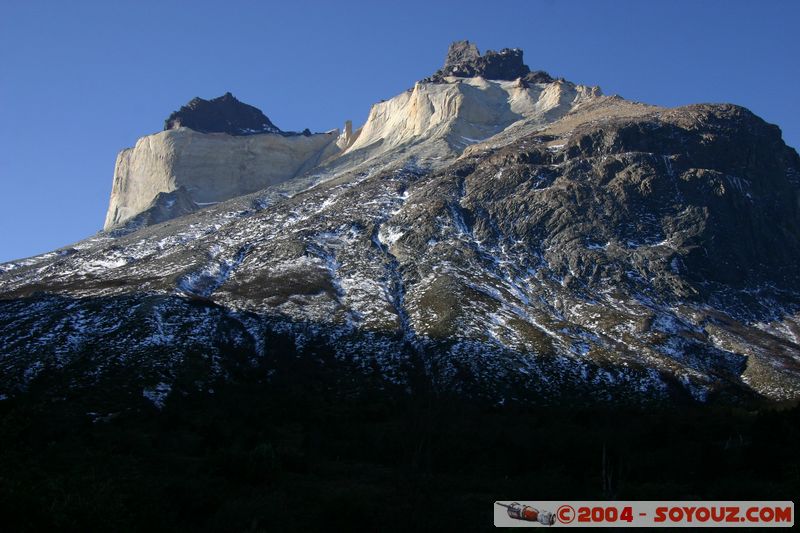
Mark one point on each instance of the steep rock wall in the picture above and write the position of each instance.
(211, 167)
(465, 111)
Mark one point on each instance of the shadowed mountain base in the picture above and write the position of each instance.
(323, 455)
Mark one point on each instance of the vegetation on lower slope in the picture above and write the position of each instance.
(316, 451)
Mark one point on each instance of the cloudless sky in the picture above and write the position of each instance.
(81, 80)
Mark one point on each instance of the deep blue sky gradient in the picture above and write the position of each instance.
(81, 80)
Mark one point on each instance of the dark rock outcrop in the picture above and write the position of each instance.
(464, 60)
(225, 114)
(461, 52)
(685, 200)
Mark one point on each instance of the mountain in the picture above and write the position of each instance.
(492, 232)
(209, 151)
(433, 123)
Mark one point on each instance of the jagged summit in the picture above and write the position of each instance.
(464, 60)
(225, 114)
(471, 99)
(431, 124)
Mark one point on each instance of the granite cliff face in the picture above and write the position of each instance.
(436, 122)
(219, 149)
(209, 151)
(512, 240)
(209, 167)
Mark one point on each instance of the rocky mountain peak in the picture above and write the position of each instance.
(225, 114)
(461, 52)
(464, 60)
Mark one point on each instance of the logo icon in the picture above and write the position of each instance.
(527, 513)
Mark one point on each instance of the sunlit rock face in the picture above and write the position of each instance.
(210, 151)
(218, 149)
(210, 167)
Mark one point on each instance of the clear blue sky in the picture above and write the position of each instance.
(81, 80)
